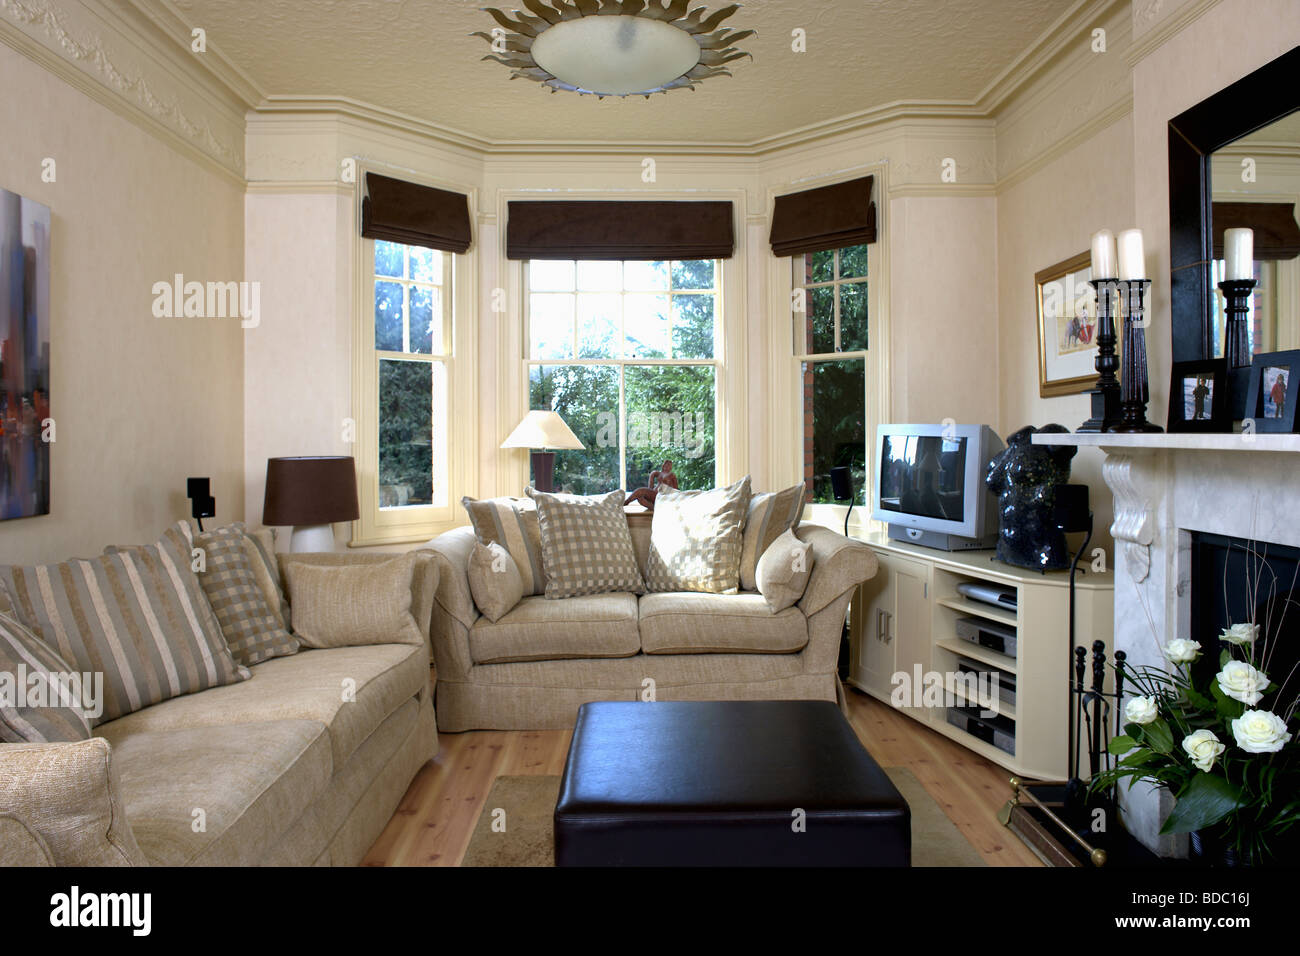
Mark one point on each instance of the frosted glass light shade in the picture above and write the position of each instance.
(615, 55)
(542, 429)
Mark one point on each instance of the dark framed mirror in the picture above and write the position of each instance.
(1247, 137)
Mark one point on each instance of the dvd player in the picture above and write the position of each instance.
(1002, 597)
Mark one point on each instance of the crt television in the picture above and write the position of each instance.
(929, 486)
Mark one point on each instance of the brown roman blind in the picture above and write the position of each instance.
(828, 217)
(1276, 234)
(416, 215)
(647, 230)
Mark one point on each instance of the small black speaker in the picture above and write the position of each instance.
(1071, 511)
(841, 483)
(199, 491)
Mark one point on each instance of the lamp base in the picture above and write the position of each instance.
(543, 470)
(312, 537)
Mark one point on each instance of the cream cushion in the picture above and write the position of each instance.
(538, 629)
(697, 623)
(770, 514)
(784, 570)
(494, 580)
(309, 685)
(696, 538)
(246, 780)
(350, 605)
(69, 794)
(513, 524)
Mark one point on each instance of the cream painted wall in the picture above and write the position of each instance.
(140, 402)
(297, 363)
(1044, 218)
(943, 310)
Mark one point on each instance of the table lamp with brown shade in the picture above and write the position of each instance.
(311, 493)
(542, 429)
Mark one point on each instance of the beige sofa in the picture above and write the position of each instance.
(279, 769)
(539, 662)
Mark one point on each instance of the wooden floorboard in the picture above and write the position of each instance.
(433, 823)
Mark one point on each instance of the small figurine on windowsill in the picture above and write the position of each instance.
(661, 477)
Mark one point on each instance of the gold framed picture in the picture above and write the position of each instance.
(1067, 327)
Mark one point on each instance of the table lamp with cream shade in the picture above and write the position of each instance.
(541, 430)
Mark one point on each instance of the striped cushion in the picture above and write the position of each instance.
(137, 616)
(586, 545)
(259, 545)
(770, 515)
(253, 631)
(512, 523)
(29, 666)
(695, 539)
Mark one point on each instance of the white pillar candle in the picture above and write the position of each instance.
(1239, 253)
(1132, 257)
(1103, 255)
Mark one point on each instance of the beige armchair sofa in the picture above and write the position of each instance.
(280, 769)
(538, 663)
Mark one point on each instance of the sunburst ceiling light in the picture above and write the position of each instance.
(614, 47)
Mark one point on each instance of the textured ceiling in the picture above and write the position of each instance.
(416, 57)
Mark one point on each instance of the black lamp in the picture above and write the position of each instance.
(202, 504)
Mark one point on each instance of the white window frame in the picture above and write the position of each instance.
(622, 363)
(402, 525)
(798, 340)
(784, 402)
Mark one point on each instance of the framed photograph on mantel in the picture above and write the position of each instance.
(1198, 397)
(1274, 390)
(1067, 327)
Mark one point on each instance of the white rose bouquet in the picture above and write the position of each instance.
(1225, 748)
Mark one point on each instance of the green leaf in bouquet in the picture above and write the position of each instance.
(1138, 758)
(1225, 657)
(1199, 700)
(1206, 800)
(1228, 707)
(1121, 744)
(1158, 736)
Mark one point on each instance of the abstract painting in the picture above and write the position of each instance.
(26, 428)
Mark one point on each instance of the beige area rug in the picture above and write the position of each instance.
(528, 804)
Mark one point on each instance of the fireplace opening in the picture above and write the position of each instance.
(1236, 580)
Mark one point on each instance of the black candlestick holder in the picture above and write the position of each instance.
(1135, 391)
(1106, 394)
(1236, 340)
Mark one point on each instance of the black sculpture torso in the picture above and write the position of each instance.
(1026, 478)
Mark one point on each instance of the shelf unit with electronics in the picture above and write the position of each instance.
(909, 620)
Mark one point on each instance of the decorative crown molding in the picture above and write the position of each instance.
(1153, 25)
(93, 49)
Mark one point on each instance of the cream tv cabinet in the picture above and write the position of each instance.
(904, 624)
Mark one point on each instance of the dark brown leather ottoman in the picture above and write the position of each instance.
(717, 783)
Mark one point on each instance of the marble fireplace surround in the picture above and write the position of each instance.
(1166, 487)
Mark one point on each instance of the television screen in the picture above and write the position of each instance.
(923, 475)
